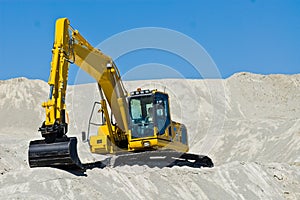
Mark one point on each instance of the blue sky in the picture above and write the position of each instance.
(259, 36)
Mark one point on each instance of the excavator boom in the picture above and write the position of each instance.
(71, 48)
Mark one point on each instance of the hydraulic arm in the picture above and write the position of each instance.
(70, 47)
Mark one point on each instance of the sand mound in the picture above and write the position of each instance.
(248, 124)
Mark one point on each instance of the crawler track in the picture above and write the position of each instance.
(63, 154)
(160, 159)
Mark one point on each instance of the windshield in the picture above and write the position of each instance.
(141, 108)
(141, 112)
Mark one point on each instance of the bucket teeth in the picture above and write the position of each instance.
(60, 154)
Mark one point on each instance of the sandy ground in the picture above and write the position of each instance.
(248, 124)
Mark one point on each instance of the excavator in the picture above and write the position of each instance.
(136, 127)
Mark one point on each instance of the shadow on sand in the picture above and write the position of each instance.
(152, 159)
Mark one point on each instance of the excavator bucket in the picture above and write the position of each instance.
(60, 154)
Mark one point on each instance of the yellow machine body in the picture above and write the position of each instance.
(142, 135)
(125, 126)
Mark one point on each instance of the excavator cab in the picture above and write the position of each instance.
(149, 113)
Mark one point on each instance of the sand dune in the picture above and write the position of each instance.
(248, 124)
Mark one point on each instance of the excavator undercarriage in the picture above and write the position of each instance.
(63, 155)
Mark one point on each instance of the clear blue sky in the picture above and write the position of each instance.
(259, 36)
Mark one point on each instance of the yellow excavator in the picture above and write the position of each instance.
(138, 122)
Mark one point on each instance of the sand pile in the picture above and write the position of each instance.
(248, 124)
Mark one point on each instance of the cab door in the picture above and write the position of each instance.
(161, 112)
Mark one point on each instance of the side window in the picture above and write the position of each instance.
(160, 111)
